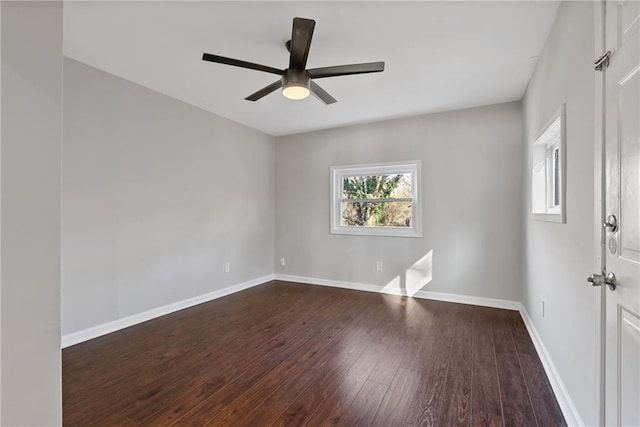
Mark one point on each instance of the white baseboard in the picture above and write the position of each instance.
(439, 296)
(106, 328)
(568, 408)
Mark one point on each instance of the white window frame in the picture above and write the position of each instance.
(389, 168)
(552, 138)
(552, 163)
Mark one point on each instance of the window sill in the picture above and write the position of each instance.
(378, 232)
(556, 217)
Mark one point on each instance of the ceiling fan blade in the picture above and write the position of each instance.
(238, 63)
(321, 94)
(264, 91)
(346, 70)
(301, 42)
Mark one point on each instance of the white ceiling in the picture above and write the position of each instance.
(439, 55)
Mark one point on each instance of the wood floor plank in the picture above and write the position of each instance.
(349, 383)
(408, 321)
(398, 401)
(239, 376)
(300, 377)
(306, 403)
(330, 410)
(354, 348)
(255, 395)
(170, 336)
(486, 405)
(545, 406)
(291, 354)
(516, 403)
(171, 330)
(145, 390)
(433, 373)
(363, 408)
(457, 391)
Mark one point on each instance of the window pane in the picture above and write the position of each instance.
(376, 186)
(556, 177)
(376, 214)
(403, 189)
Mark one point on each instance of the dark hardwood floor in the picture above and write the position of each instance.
(291, 354)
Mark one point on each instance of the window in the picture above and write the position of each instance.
(548, 171)
(379, 199)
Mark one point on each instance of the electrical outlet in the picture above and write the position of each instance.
(379, 265)
(227, 267)
(282, 262)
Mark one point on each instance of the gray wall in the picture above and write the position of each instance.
(471, 202)
(30, 212)
(560, 256)
(156, 196)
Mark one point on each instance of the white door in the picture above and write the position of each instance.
(622, 142)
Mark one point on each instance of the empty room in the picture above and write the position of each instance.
(305, 213)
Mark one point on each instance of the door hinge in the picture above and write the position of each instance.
(602, 61)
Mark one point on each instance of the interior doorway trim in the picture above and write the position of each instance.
(599, 209)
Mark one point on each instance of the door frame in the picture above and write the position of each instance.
(600, 209)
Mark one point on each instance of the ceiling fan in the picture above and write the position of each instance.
(296, 81)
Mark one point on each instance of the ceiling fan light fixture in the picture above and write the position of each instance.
(295, 91)
(295, 84)
(296, 81)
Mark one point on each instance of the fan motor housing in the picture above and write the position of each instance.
(292, 77)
